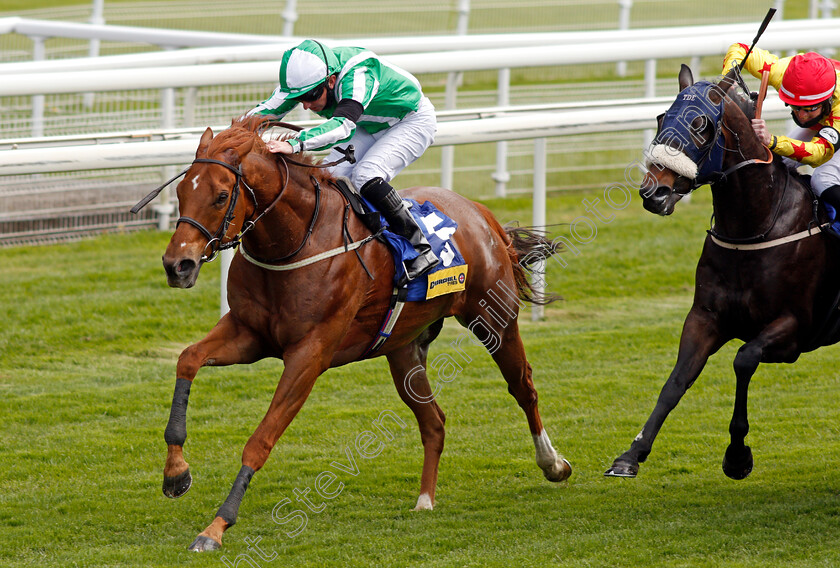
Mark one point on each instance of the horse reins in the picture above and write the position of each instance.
(756, 242)
(248, 225)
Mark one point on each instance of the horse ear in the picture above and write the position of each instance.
(686, 77)
(728, 80)
(716, 94)
(203, 143)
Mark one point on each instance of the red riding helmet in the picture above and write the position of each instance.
(809, 79)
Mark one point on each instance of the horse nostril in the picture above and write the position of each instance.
(662, 191)
(185, 267)
(179, 269)
(655, 192)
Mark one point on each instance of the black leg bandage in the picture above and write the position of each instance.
(176, 429)
(230, 508)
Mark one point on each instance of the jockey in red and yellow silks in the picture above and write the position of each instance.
(807, 83)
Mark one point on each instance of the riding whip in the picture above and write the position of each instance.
(761, 29)
(765, 74)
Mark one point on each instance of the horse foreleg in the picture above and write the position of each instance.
(738, 459)
(227, 343)
(699, 340)
(408, 369)
(505, 345)
(302, 368)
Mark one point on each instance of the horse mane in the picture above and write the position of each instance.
(746, 104)
(245, 135)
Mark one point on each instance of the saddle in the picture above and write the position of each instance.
(370, 218)
(449, 276)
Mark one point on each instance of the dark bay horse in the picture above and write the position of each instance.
(317, 312)
(767, 274)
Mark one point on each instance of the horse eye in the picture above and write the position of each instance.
(222, 199)
(697, 130)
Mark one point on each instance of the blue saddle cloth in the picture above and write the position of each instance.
(450, 274)
(832, 217)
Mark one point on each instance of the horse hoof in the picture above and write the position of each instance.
(204, 544)
(424, 503)
(560, 471)
(177, 485)
(622, 468)
(738, 464)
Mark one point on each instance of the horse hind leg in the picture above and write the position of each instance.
(408, 369)
(738, 459)
(505, 346)
(518, 374)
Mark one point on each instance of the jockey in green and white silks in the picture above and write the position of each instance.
(377, 107)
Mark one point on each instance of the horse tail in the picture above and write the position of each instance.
(526, 246)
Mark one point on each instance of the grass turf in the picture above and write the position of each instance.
(87, 355)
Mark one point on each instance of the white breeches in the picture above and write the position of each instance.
(387, 152)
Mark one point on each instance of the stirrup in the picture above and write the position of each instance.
(420, 265)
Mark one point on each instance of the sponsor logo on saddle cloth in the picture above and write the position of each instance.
(448, 276)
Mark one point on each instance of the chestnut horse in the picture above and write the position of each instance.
(317, 312)
(767, 274)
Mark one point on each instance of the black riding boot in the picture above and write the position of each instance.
(387, 200)
(832, 197)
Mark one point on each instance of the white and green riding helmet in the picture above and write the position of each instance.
(306, 66)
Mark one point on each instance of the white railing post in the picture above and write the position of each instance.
(97, 18)
(290, 16)
(463, 17)
(190, 102)
(538, 220)
(650, 92)
(502, 176)
(624, 7)
(826, 10)
(225, 258)
(164, 206)
(447, 153)
(39, 53)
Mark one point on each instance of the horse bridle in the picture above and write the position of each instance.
(214, 240)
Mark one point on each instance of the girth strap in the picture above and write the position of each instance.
(306, 261)
(398, 297)
(768, 244)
